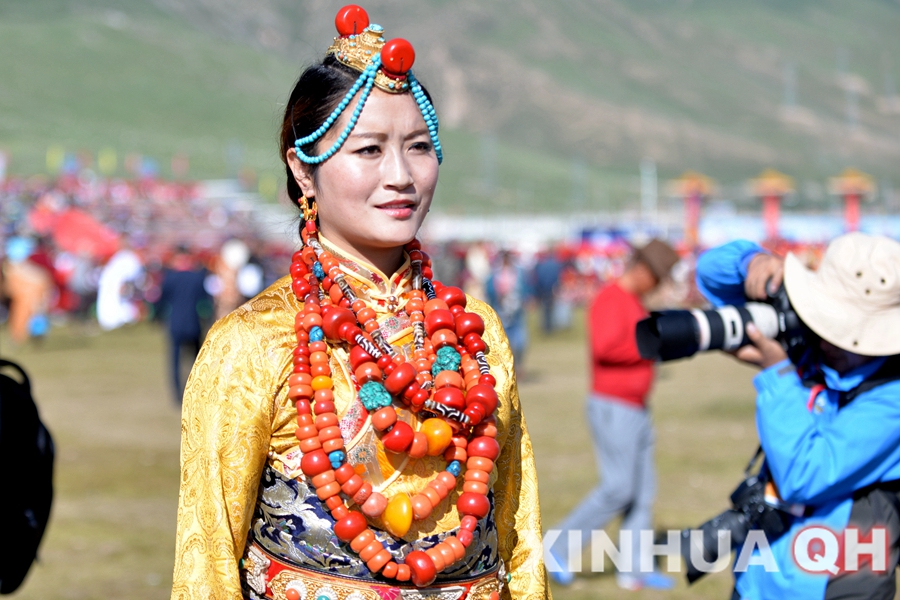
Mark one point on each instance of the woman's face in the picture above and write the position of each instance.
(373, 194)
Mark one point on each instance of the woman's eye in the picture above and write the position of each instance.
(369, 150)
(422, 146)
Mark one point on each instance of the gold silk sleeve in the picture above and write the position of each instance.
(226, 429)
(517, 510)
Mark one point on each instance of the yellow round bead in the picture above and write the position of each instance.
(322, 382)
(438, 433)
(398, 515)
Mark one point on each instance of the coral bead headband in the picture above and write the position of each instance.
(383, 64)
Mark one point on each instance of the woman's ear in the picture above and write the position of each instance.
(301, 172)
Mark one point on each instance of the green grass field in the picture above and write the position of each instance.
(105, 399)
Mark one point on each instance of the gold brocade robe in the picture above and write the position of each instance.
(237, 419)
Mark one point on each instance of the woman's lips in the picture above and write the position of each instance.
(398, 210)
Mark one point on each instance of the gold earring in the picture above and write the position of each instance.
(308, 207)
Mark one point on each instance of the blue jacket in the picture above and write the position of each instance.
(818, 456)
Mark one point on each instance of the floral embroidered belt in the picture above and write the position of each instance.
(269, 578)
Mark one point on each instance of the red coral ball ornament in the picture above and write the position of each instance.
(333, 318)
(397, 56)
(351, 20)
(453, 296)
(398, 438)
(484, 395)
(350, 526)
(314, 463)
(421, 567)
(473, 504)
(484, 446)
(450, 396)
(467, 323)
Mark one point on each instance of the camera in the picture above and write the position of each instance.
(672, 334)
(751, 509)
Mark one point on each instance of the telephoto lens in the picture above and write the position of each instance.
(672, 334)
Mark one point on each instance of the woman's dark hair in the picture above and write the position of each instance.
(317, 92)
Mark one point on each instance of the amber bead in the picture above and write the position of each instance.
(438, 433)
(397, 516)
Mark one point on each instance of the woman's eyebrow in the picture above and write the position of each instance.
(369, 134)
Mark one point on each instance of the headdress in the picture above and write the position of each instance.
(362, 47)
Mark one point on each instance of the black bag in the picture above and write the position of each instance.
(26, 456)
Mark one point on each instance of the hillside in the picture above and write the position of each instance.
(545, 104)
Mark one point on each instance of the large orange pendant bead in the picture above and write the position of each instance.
(439, 434)
(398, 515)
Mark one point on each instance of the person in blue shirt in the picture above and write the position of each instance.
(830, 427)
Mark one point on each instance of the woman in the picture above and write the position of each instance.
(329, 449)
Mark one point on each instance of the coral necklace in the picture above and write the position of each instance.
(447, 377)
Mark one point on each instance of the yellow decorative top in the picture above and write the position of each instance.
(237, 419)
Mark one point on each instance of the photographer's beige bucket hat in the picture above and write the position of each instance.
(853, 299)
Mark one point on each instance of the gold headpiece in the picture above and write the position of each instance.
(387, 65)
(361, 45)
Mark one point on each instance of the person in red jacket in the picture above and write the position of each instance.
(620, 424)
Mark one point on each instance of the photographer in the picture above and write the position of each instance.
(830, 424)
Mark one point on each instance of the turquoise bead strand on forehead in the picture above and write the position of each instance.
(367, 79)
(365, 82)
(428, 113)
